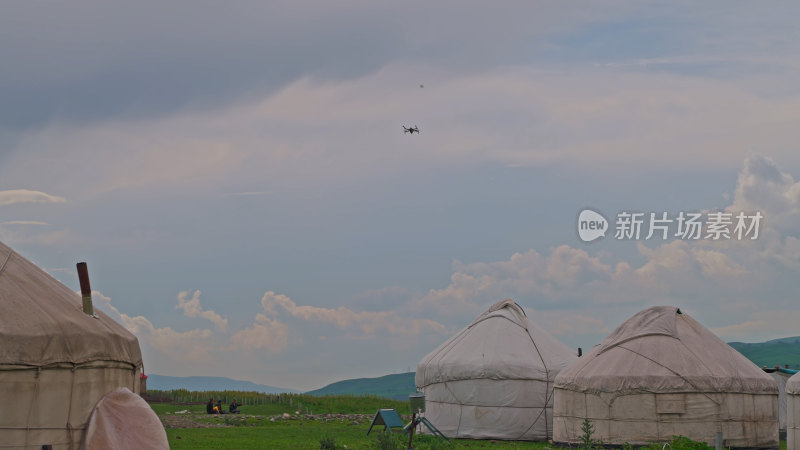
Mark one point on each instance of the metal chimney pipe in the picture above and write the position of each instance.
(86, 290)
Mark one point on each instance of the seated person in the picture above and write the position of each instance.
(234, 408)
(218, 407)
(210, 407)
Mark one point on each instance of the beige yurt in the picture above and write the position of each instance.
(781, 377)
(662, 374)
(56, 362)
(793, 413)
(494, 378)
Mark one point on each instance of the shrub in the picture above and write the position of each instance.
(386, 441)
(327, 443)
(684, 443)
(587, 441)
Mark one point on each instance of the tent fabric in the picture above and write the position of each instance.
(43, 322)
(56, 362)
(780, 380)
(493, 379)
(793, 412)
(660, 374)
(123, 420)
(793, 384)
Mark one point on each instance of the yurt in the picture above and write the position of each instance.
(56, 362)
(793, 413)
(662, 374)
(781, 376)
(494, 378)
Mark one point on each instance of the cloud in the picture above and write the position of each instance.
(10, 197)
(577, 295)
(763, 186)
(717, 264)
(192, 308)
(23, 222)
(103, 78)
(195, 345)
(761, 325)
(251, 193)
(355, 322)
(382, 299)
(266, 336)
(13, 236)
(309, 131)
(16, 232)
(266, 333)
(566, 275)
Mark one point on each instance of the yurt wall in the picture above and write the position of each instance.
(56, 362)
(662, 374)
(494, 379)
(793, 413)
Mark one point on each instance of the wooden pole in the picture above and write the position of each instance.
(411, 434)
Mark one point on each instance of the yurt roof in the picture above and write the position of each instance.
(502, 343)
(793, 384)
(661, 349)
(42, 322)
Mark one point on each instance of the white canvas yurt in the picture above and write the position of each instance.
(662, 374)
(793, 413)
(494, 378)
(780, 378)
(56, 362)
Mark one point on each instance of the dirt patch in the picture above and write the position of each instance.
(187, 421)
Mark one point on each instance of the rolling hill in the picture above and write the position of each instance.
(777, 352)
(396, 386)
(167, 383)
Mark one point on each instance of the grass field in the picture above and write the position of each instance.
(278, 423)
(267, 427)
(307, 434)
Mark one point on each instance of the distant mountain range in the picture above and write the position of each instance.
(777, 352)
(396, 386)
(167, 383)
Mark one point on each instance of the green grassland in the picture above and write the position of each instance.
(396, 386)
(778, 352)
(307, 434)
(270, 404)
(263, 424)
(275, 422)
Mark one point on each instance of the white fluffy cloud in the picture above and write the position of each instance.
(12, 196)
(701, 275)
(266, 333)
(192, 308)
(357, 322)
(162, 344)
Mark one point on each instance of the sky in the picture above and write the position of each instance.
(237, 179)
